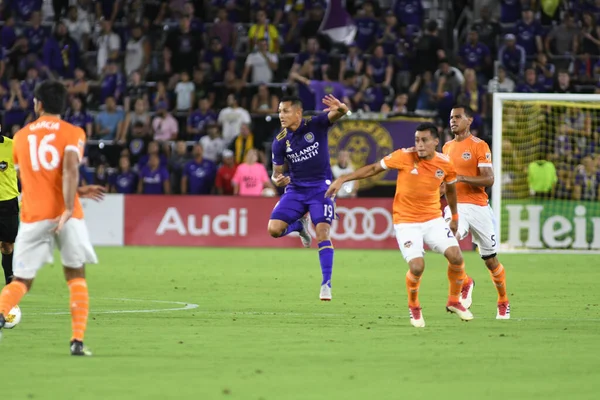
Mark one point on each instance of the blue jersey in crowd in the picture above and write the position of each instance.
(201, 176)
(154, 180)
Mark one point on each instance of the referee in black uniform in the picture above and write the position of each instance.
(9, 205)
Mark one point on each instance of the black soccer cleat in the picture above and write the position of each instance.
(78, 349)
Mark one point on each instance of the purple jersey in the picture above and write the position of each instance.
(409, 12)
(153, 180)
(366, 31)
(198, 120)
(527, 88)
(24, 8)
(124, 182)
(322, 88)
(37, 37)
(201, 176)
(474, 56)
(79, 119)
(374, 97)
(307, 153)
(379, 67)
(513, 59)
(526, 35)
(143, 161)
(510, 11)
(112, 85)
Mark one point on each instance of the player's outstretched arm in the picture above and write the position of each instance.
(278, 178)
(485, 178)
(362, 173)
(94, 192)
(452, 203)
(335, 108)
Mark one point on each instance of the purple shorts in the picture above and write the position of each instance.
(295, 203)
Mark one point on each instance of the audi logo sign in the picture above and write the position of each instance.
(227, 221)
(361, 224)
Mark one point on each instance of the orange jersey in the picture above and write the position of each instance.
(468, 156)
(417, 196)
(38, 153)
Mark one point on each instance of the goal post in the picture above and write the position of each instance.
(546, 158)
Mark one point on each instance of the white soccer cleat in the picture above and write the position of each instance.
(304, 234)
(503, 310)
(466, 294)
(416, 317)
(460, 310)
(325, 294)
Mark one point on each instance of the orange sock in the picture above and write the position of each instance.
(11, 296)
(79, 307)
(456, 277)
(499, 277)
(412, 288)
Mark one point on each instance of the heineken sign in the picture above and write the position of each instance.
(551, 224)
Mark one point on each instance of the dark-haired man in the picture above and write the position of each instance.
(473, 161)
(417, 215)
(47, 153)
(302, 144)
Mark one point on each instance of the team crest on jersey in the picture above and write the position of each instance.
(488, 156)
(309, 137)
(407, 245)
(466, 155)
(439, 174)
(288, 147)
(3, 166)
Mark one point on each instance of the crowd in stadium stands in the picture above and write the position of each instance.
(182, 95)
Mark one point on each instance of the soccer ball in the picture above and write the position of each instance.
(13, 318)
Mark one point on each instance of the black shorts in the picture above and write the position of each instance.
(9, 220)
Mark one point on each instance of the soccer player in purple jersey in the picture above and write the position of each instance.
(303, 145)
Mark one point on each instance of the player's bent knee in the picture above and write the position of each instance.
(74, 273)
(454, 255)
(417, 266)
(7, 248)
(27, 282)
(276, 228)
(491, 261)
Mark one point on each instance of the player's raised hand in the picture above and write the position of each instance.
(333, 104)
(281, 180)
(94, 192)
(334, 188)
(62, 220)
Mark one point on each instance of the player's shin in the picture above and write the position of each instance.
(79, 301)
(412, 289)
(326, 260)
(456, 278)
(11, 295)
(499, 278)
(7, 263)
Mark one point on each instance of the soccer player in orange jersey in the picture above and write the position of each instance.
(47, 154)
(418, 216)
(473, 161)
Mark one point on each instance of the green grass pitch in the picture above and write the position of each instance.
(260, 332)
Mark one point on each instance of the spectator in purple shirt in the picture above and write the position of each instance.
(545, 71)
(512, 56)
(15, 104)
(587, 181)
(409, 12)
(379, 68)
(474, 54)
(291, 33)
(154, 178)
(531, 84)
(219, 60)
(24, 8)
(125, 180)
(36, 33)
(313, 65)
(198, 119)
(61, 53)
(509, 11)
(29, 84)
(319, 89)
(367, 28)
(77, 116)
(8, 34)
(529, 33)
(153, 150)
(113, 83)
(199, 174)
